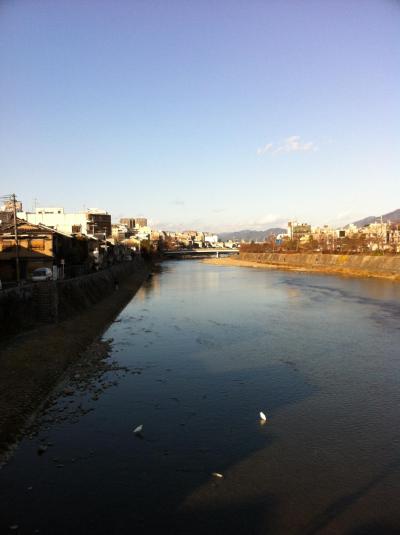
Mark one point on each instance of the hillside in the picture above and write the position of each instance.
(390, 216)
(250, 235)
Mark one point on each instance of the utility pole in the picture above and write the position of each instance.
(14, 201)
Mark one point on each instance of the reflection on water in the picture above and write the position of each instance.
(205, 348)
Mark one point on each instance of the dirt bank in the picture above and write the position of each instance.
(296, 264)
(33, 362)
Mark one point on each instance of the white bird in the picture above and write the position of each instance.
(263, 417)
(138, 429)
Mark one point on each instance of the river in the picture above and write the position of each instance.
(203, 349)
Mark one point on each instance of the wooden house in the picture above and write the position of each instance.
(38, 246)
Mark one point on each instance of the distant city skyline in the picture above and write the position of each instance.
(215, 116)
(251, 225)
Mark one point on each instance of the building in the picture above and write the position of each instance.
(211, 239)
(128, 222)
(93, 222)
(133, 222)
(6, 217)
(321, 234)
(377, 235)
(142, 233)
(9, 206)
(38, 246)
(296, 231)
(100, 223)
(121, 232)
(7, 211)
(140, 222)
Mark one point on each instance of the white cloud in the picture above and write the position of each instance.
(344, 215)
(266, 148)
(263, 222)
(266, 219)
(218, 210)
(290, 144)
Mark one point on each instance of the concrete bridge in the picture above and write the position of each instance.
(179, 253)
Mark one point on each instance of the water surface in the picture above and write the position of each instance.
(206, 348)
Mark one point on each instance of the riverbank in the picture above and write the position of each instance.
(33, 362)
(350, 266)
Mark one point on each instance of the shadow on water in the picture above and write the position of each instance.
(246, 518)
(121, 484)
(346, 501)
(374, 528)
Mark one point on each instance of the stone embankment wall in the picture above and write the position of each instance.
(79, 293)
(16, 309)
(387, 266)
(46, 302)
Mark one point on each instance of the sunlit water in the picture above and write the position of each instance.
(216, 345)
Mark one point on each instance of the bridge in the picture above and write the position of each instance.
(179, 253)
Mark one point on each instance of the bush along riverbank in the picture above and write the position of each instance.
(33, 362)
(387, 267)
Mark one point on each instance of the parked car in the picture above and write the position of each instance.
(42, 274)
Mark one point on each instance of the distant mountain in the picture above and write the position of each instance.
(390, 216)
(250, 235)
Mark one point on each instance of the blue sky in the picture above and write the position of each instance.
(213, 115)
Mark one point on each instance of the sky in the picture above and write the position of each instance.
(210, 115)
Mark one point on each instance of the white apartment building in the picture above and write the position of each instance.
(211, 238)
(142, 233)
(91, 222)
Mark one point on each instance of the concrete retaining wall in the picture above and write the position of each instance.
(17, 309)
(79, 293)
(45, 302)
(362, 264)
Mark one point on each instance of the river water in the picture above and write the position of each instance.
(205, 348)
